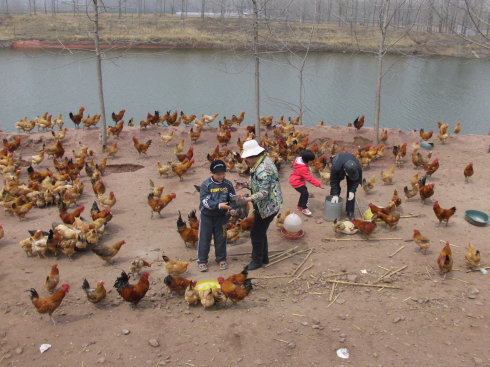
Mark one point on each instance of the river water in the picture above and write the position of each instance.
(416, 91)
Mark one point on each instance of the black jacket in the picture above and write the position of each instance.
(213, 193)
(337, 173)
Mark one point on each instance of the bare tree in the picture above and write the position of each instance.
(103, 137)
(203, 6)
(257, 66)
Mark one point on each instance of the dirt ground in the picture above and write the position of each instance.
(424, 321)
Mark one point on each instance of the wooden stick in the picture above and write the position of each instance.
(331, 291)
(337, 296)
(248, 253)
(461, 280)
(362, 284)
(273, 277)
(299, 275)
(360, 239)
(285, 257)
(385, 274)
(411, 216)
(391, 273)
(282, 341)
(382, 267)
(397, 251)
(335, 275)
(406, 299)
(304, 260)
(280, 253)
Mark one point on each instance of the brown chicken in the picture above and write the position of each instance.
(224, 138)
(116, 117)
(11, 145)
(179, 147)
(108, 252)
(55, 150)
(443, 214)
(195, 134)
(359, 122)
(49, 304)
(175, 267)
(445, 260)
(116, 130)
(188, 155)
(52, 279)
(157, 204)
(391, 220)
(20, 211)
(69, 218)
(191, 294)
(193, 221)
(472, 256)
(367, 186)
(468, 171)
(211, 157)
(365, 227)
(140, 147)
(457, 128)
(431, 168)
(422, 241)
(384, 135)
(239, 278)
(387, 176)
(77, 119)
(137, 265)
(188, 235)
(181, 168)
(94, 295)
(412, 192)
(38, 175)
(396, 199)
(426, 191)
(235, 292)
(132, 293)
(177, 284)
(385, 210)
(425, 135)
(247, 223)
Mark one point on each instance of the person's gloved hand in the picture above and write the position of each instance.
(350, 196)
(335, 199)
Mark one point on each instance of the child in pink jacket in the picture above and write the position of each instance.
(300, 174)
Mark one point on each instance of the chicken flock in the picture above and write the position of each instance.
(62, 185)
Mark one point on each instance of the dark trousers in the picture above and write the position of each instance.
(212, 227)
(303, 197)
(258, 235)
(350, 205)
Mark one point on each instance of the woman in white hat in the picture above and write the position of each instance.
(266, 198)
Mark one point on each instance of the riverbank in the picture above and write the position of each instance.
(285, 321)
(164, 32)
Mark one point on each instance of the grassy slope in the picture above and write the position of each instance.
(168, 31)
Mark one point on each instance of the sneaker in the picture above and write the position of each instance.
(203, 267)
(299, 208)
(306, 212)
(223, 265)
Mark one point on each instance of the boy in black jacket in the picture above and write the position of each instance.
(216, 198)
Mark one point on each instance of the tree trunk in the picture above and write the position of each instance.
(34, 4)
(119, 3)
(203, 5)
(7, 7)
(379, 75)
(99, 77)
(257, 68)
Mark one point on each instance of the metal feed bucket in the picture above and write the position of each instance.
(332, 211)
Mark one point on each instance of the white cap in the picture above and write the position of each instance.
(251, 148)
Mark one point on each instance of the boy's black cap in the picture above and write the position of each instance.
(217, 166)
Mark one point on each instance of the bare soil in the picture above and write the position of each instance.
(425, 321)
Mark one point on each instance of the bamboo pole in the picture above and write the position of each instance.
(411, 216)
(362, 284)
(391, 273)
(337, 296)
(280, 253)
(299, 275)
(397, 251)
(332, 291)
(304, 260)
(285, 257)
(361, 239)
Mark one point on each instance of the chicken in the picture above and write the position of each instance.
(219, 297)
(166, 138)
(77, 119)
(387, 176)
(156, 190)
(414, 180)
(177, 284)
(468, 171)
(246, 223)
(443, 137)
(188, 155)
(49, 304)
(445, 259)
(163, 169)
(472, 256)
(38, 175)
(2, 232)
(425, 135)
(233, 234)
(345, 227)
(188, 235)
(181, 168)
(108, 252)
(193, 221)
(365, 227)
(55, 150)
(281, 217)
(442, 127)
(109, 201)
(235, 292)
(98, 186)
(137, 265)
(20, 211)
(52, 279)
(91, 121)
(367, 186)
(111, 151)
(443, 214)
(391, 220)
(457, 128)
(132, 293)
(224, 137)
(94, 295)
(38, 158)
(206, 297)
(116, 117)
(157, 204)
(431, 168)
(195, 134)
(207, 119)
(422, 241)
(191, 295)
(175, 267)
(140, 147)
(96, 213)
(412, 192)
(179, 147)
(69, 218)
(11, 145)
(359, 122)
(396, 199)
(426, 191)
(116, 130)
(384, 135)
